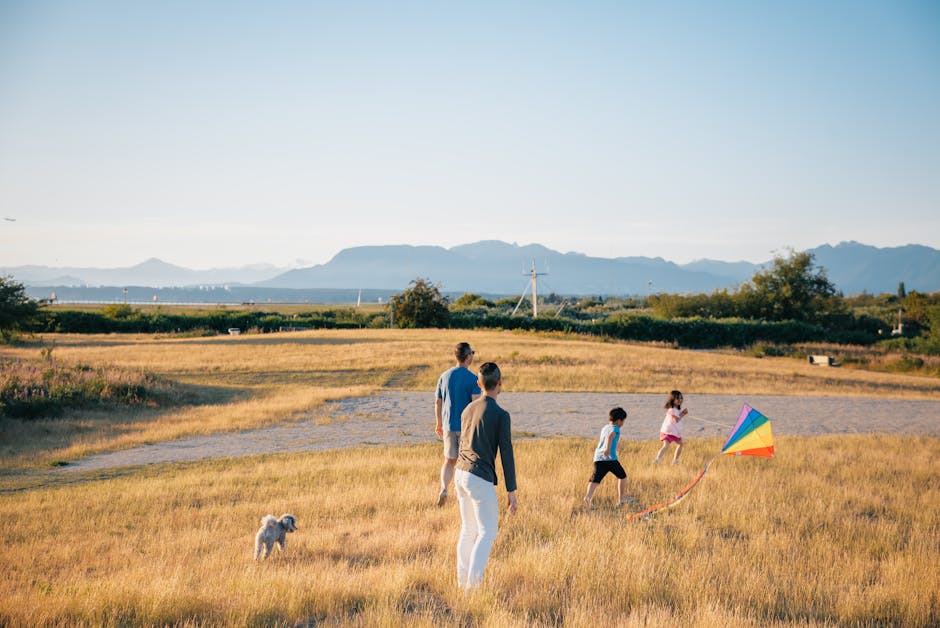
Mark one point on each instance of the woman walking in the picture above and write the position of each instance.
(486, 432)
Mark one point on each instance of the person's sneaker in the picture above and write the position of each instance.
(675, 462)
(656, 460)
(442, 497)
(627, 501)
(587, 504)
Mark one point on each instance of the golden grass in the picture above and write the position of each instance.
(834, 531)
(533, 362)
(251, 381)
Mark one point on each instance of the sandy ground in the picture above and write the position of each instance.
(394, 418)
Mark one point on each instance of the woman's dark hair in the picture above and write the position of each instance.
(675, 399)
(617, 414)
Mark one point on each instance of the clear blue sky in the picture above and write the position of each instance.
(214, 134)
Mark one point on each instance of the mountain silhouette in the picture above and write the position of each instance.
(152, 272)
(494, 267)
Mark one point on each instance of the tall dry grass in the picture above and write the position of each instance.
(834, 531)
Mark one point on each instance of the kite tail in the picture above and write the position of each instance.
(675, 500)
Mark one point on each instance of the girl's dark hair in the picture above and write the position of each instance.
(617, 414)
(674, 396)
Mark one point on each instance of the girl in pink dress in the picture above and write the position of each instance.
(671, 430)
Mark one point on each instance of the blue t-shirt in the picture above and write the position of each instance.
(456, 387)
(601, 444)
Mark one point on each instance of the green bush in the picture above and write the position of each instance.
(696, 333)
(420, 305)
(77, 322)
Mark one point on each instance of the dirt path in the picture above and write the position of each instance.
(394, 418)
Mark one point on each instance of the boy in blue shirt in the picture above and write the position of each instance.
(605, 458)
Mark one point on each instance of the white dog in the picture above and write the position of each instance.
(273, 531)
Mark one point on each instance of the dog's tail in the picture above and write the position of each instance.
(268, 521)
(258, 544)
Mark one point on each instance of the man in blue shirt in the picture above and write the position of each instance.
(456, 388)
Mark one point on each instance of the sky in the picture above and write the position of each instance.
(218, 134)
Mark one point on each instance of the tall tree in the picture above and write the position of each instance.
(17, 310)
(420, 305)
(793, 288)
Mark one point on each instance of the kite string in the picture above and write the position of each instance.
(707, 421)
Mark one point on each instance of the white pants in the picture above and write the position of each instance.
(479, 516)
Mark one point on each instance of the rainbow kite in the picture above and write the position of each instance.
(751, 436)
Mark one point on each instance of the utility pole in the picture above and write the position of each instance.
(535, 303)
(535, 295)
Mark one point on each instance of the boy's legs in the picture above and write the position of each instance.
(592, 486)
(621, 475)
(600, 470)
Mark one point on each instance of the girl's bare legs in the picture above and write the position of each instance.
(675, 458)
(662, 450)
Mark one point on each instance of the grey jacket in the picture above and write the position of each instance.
(486, 429)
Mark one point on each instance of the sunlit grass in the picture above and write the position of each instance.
(534, 362)
(834, 531)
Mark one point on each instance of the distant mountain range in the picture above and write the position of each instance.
(498, 268)
(153, 272)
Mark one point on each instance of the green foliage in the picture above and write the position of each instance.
(791, 289)
(933, 335)
(506, 303)
(471, 300)
(218, 322)
(697, 321)
(119, 310)
(420, 305)
(719, 304)
(915, 306)
(17, 311)
(700, 333)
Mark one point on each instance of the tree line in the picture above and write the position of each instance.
(791, 300)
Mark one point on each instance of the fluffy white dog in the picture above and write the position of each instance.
(273, 531)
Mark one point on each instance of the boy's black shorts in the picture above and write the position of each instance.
(603, 467)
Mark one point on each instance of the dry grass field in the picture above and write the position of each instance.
(836, 530)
